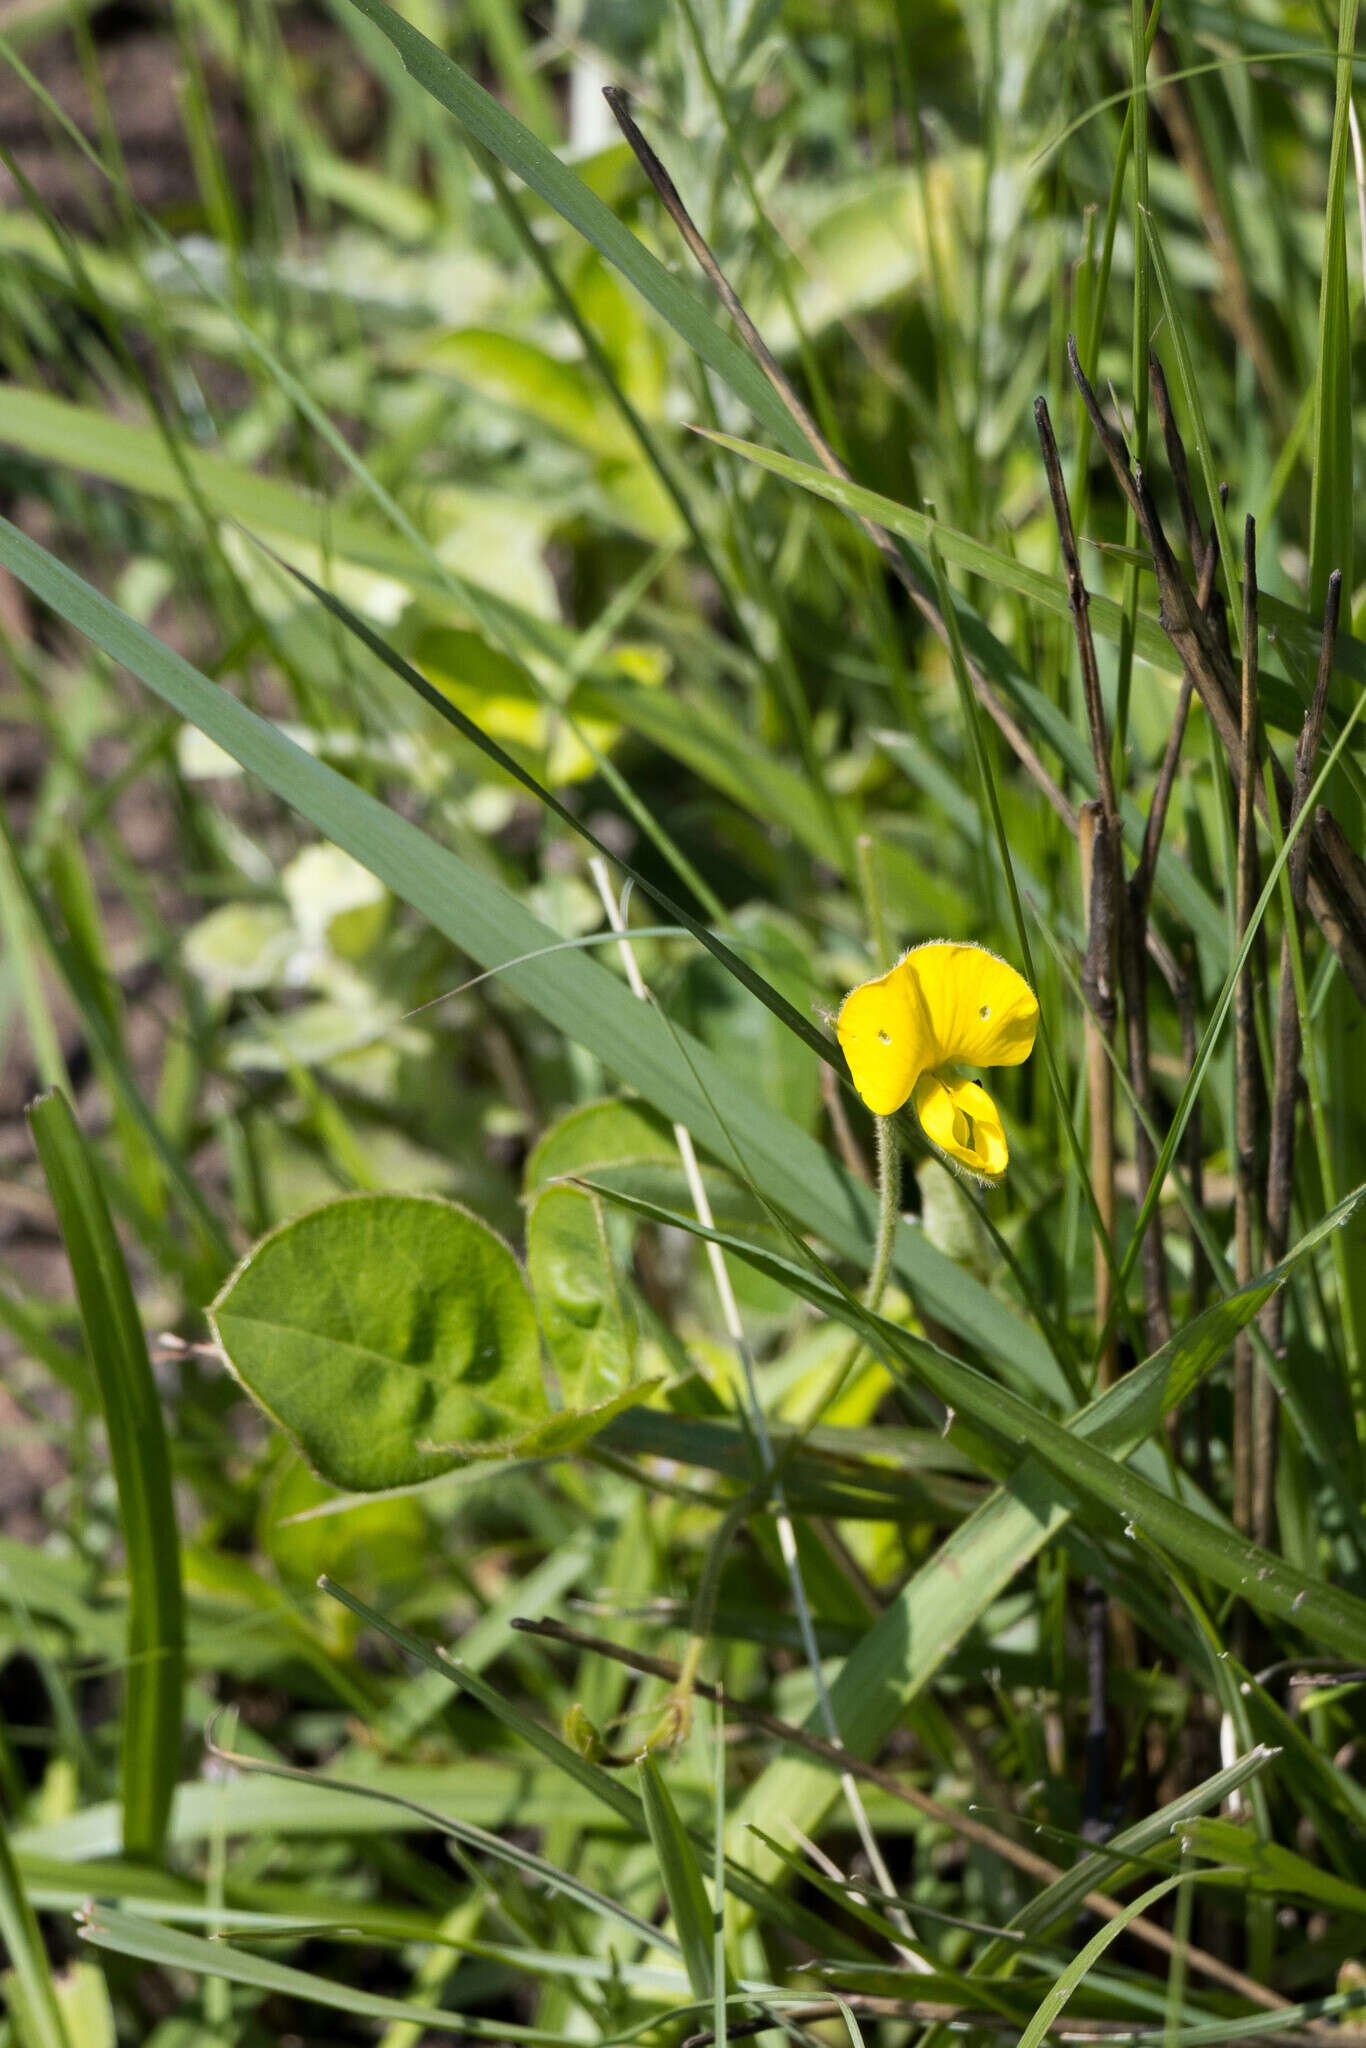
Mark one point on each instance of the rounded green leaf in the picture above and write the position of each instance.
(392, 1336)
(599, 1134)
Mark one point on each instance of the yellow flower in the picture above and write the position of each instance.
(904, 1033)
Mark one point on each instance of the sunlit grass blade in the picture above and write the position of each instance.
(520, 152)
(1299, 630)
(934, 1610)
(142, 1473)
(34, 2013)
(1041, 2024)
(538, 1868)
(129, 1934)
(601, 1784)
(1332, 491)
(681, 1877)
(579, 997)
(1326, 1614)
(765, 993)
(1053, 1909)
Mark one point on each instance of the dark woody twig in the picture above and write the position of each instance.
(1133, 969)
(1285, 1084)
(1141, 882)
(1113, 933)
(1193, 1148)
(1099, 845)
(1099, 896)
(1079, 604)
(1155, 824)
(967, 1825)
(1135, 966)
(1245, 1045)
(1311, 734)
(1336, 891)
(1140, 935)
(1180, 469)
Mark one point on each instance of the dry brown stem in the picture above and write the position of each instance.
(1245, 1068)
(965, 1824)
(1285, 1082)
(1098, 984)
(1336, 889)
(1125, 935)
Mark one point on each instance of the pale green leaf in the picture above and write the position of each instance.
(586, 1319)
(391, 1335)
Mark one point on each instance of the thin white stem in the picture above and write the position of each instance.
(787, 1541)
(1355, 129)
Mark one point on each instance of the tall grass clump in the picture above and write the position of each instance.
(681, 871)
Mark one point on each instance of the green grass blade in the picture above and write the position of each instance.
(764, 991)
(142, 1473)
(1095, 1948)
(599, 1783)
(1332, 492)
(1062, 1899)
(681, 1877)
(1205, 1050)
(520, 152)
(578, 996)
(129, 1934)
(1190, 391)
(994, 826)
(537, 1868)
(87, 998)
(21, 934)
(35, 2014)
(1037, 586)
(1330, 1616)
(939, 1604)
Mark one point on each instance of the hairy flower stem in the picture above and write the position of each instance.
(889, 1210)
(677, 1716)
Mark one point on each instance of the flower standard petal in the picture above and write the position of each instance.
(963, 1121)
(885, 1036)
(980, 1011)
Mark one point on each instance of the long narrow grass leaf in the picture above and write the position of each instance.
(140, 1457)
(579, 997)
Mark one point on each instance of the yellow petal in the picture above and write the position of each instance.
(980, 1011)
(963, 1121)
(886, 1038)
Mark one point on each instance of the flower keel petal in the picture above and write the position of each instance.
(963, 1121)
